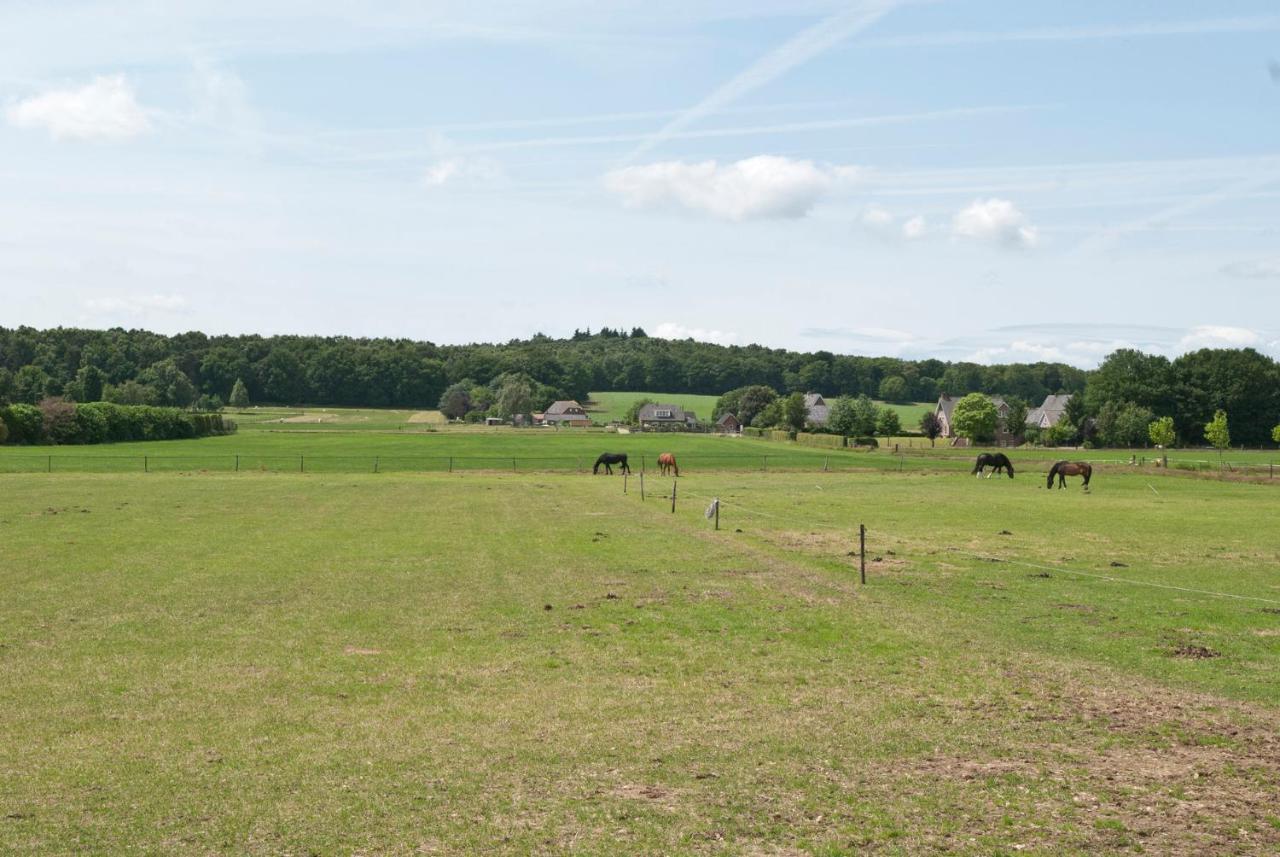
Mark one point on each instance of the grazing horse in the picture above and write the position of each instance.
(1063, 469)
(608, 458)
(997, 461)
(667, 463)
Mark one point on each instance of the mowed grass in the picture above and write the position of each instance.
(273, 663)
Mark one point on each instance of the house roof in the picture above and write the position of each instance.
(562, 406)
(814, 399)
(649, 413)
(724, 420)
(947, 403)
(1052, 409)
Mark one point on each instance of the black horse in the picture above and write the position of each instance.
(997, 461)
(608, 458)
(1063, 469)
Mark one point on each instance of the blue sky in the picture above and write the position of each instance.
(967, 179)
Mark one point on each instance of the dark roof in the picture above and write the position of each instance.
(649, 413)
(562, 406)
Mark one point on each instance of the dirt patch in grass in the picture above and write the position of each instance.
(357, 650)
(434, 417)
(1194, 652)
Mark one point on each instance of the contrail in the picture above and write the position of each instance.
(797, 50)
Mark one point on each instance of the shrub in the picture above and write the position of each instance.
(25, 423)
(864, 441)
(751, 431)
(4, 431)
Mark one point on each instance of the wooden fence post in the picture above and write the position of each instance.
(862, 552)
(624, 483)
(302, 466)
(673, 498)
(237, 462)
(451, 464)
(145, 467)
(642, 485)
(717, 513)
(375, 463)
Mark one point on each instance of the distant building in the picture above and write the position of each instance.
(666, 416)
(564, 413)
(816, 408)
(947, 404)
(729, 424)
(1050, 413)
(494, 421)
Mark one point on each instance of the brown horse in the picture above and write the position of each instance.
(1063, 469)
(667, 463)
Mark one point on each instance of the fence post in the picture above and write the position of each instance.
(825, 461)
(673, 498)
(717, 513)
(766, 464)
(642, 464)
(513, 465)
(451, 464)
(642, 485)
(145, 467)
(862, 552)
(302, 467)
(624, 483)
(49, 465)
(237, 462)
(375, 463)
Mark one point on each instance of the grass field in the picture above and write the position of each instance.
(613, 406)
(272, 663)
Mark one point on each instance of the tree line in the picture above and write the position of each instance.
(197, 370)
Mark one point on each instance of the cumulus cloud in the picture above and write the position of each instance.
(1219, 336)
(456, 170)
(915, 227)
(105, 109)
(877, 219)
(759, 188)
(673, 330)
(1261, 269)
(997, 220)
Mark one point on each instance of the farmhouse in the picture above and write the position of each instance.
(666, 416)
(1050, 413)
(947, 403)
(729, 424)
(564, 413)
(817, 409)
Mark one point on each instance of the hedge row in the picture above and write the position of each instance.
(103, 422)
(781, 434)
(828, 441)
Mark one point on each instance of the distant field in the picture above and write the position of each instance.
(540, 664)
(606, 407)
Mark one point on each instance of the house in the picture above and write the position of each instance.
(494, 421)
(947, 403)
(816, 408)
(1050, 413)
(564, 413)
(666, 416)
(729, 424)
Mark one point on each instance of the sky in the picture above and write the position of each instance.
(987, 180)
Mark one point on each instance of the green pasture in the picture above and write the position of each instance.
(277, 663)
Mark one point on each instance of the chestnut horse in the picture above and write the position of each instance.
(1063, 469)
(667, 463)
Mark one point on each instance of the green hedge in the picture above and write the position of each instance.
(103, 422)
(827, 441)
(781, 434)
(753, 432)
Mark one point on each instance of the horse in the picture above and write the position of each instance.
(997, 461)
(1063, 469)
(666, 463)
(608, 458)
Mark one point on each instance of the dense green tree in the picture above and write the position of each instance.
(31, 384)
(89, 383)
(931, 425)
(1217, 432)
(172, 386)
(865, 416)
(1161, 432)
(4, 431)
(770, 416)
(1275, 434)
(975, 418)
(840, 416)
(745, 402)
(130, 393)
(1015, 423)
(632, 416)
(456, 403)
(894, 389)
(1124, 425)
(1127, 375)
(514, 394)
(794, 412)
(1242, 382)
(889, 424)
(239, 395)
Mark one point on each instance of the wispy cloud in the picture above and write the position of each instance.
(675, 330)
(763, 187)
(104, 109)
(1202, 27)
(135, 305)
(1257, 269)
(462, 170)
(794, 52)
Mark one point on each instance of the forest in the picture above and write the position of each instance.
(139, 367)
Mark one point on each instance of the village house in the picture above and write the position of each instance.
(816, 408)
(654, 416)
(947, 404)
(729, 424)
(1050, 413)
(564, 413)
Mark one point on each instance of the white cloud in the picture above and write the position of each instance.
(135, 304)
(995, 220)
(763, 187)
(1218, 336)
(105, 109)
(915, 227)
(877, 219)
(1261, 269)
(673, 330)
(454, 170)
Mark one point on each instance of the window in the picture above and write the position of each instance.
(662, 415)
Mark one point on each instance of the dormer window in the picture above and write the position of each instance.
(662, 415)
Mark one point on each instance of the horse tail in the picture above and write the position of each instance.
(1088, 472)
